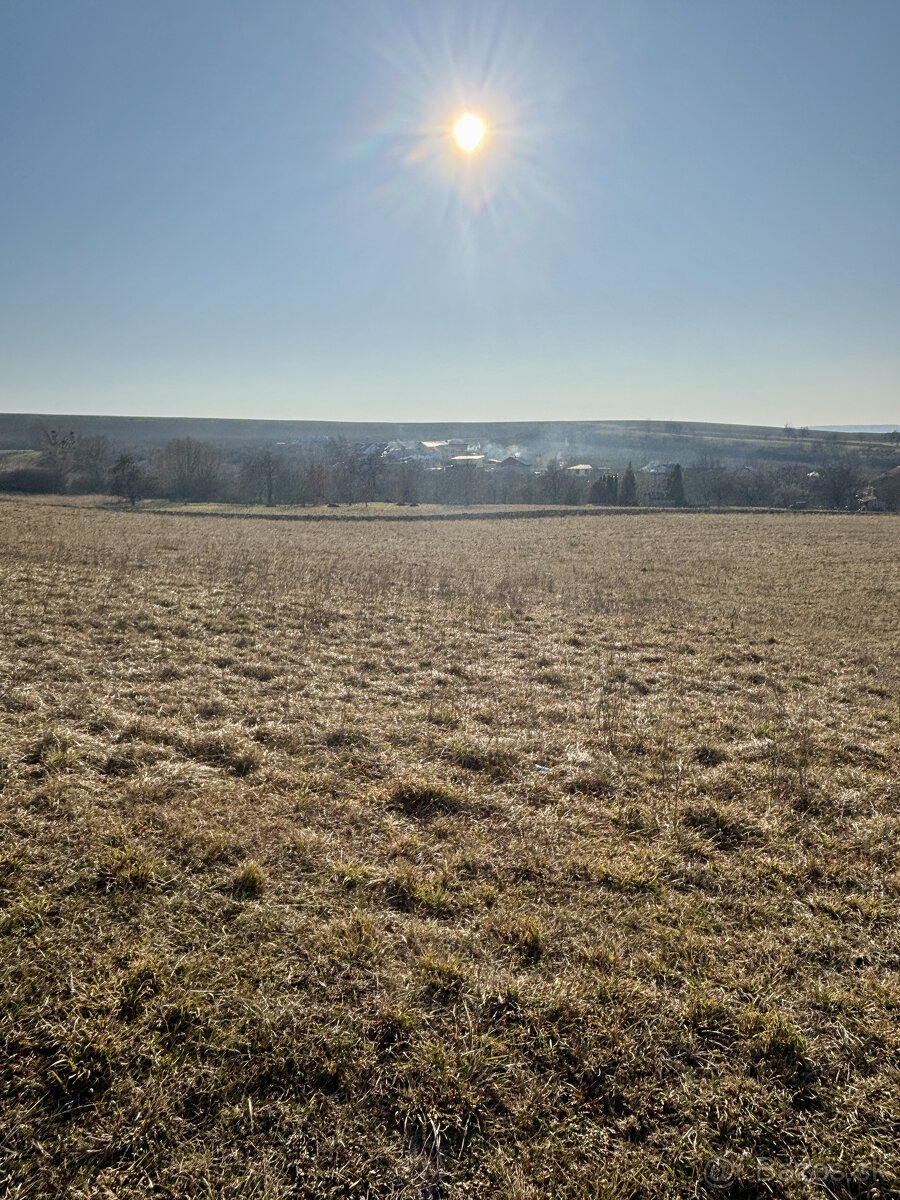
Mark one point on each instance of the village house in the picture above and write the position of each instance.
(869, 502)
(657, 468)
(439, 450)
(886, 488)
(515, 466)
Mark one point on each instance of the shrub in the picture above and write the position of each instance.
(53, 751)
(628, 487)
(28, 914)
(493, 761)
(592, 783)
(249, 883)
(524, 936)
(424, 798)
(226, 751)
(35, 481)
(721, 825)
(710, 756)
(346, 735)
(128, 868)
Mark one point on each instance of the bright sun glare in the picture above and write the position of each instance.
(469, 132)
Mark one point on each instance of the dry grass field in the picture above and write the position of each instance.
(511, 859)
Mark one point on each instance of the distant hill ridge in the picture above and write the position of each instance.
(611, 442)
(857, 428)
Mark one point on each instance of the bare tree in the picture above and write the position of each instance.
(190, 470)
(553, 480)
(261, 474)
(837, 484)
(56, 453)
(713, 482)
(125, 478)
(317, 483)
(90, 462)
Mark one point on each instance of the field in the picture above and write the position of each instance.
(509, 859)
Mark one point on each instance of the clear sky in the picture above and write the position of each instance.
(684, 209)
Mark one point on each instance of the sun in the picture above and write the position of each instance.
(469, 132)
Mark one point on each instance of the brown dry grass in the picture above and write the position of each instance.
(520, 859)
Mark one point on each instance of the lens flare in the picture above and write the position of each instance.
(469, 132)
(467, 147)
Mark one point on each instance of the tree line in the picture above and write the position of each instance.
(332, 472)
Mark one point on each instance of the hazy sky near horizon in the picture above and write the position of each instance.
(684, 209)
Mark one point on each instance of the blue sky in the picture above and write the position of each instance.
(683, 209)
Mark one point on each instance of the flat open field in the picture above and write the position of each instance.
(511, 859)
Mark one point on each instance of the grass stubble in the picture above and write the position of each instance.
(521, 859)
